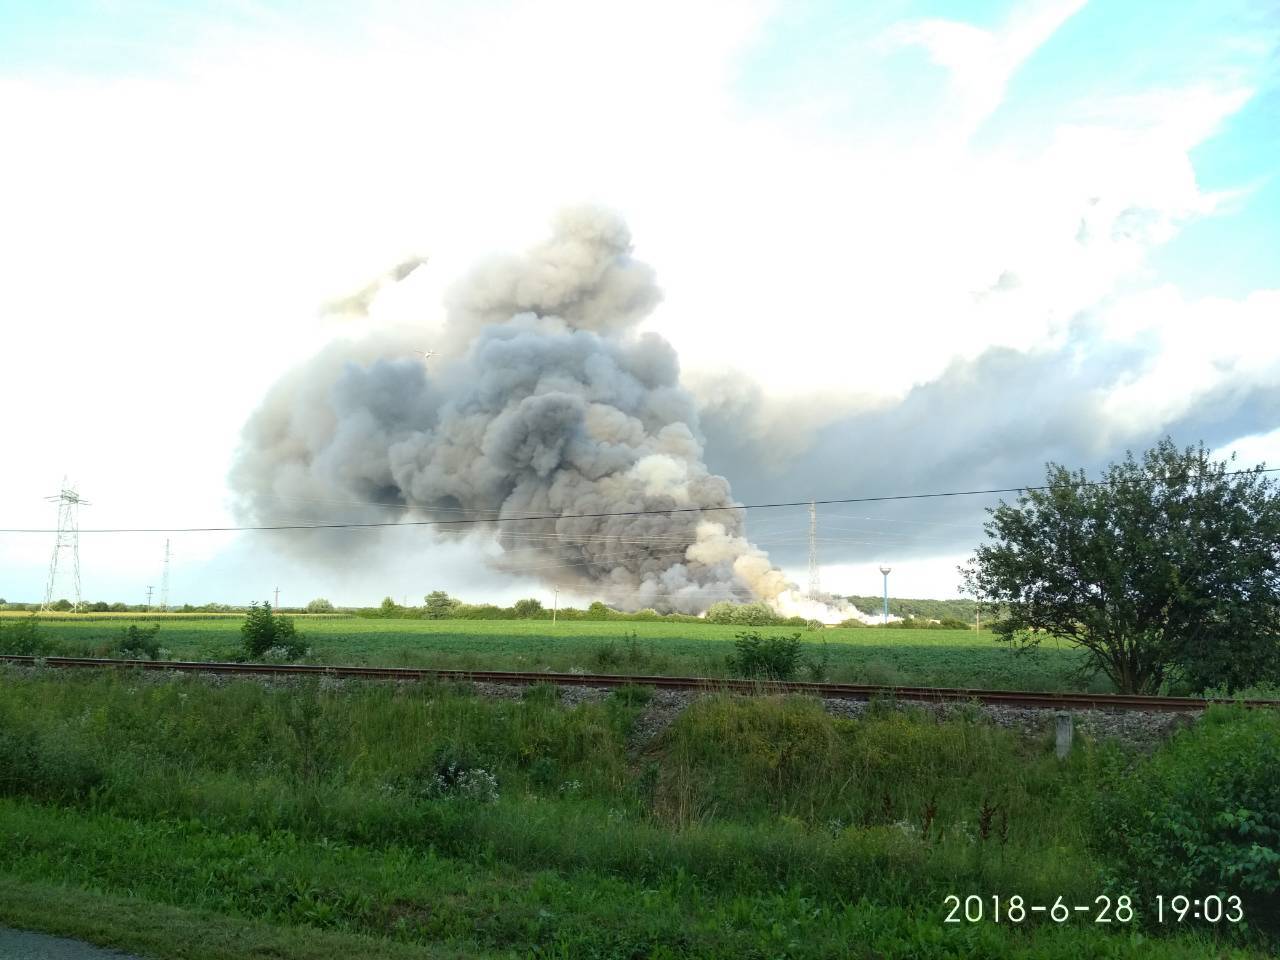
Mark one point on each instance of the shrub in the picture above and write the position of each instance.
(607, 655)
(136, 643)
(747, 614)
(262, 632)
(771, 658)
(1201, 816)
(721, 612)
(319, 605)
(21, 638)
(528, 608)
(452, 775)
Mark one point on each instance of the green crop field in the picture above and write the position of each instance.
(183, 817)
(954, 658)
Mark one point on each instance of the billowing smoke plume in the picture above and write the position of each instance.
(544, 402)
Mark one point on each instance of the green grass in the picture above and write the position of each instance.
(956, 658)
(149, 928)
(751, 828)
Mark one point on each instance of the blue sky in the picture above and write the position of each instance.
(926, 190)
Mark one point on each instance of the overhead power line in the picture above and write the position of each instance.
(1083, 484)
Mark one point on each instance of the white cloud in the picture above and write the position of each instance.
(1200, 346)
(981, 62)
(1255, 449)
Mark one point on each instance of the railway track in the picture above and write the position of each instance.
(849, 691)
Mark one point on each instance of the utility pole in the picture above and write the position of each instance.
(164, 579)
(886, 571)
(149, 589)
(68, 538)
(555, 604)
(277, 606)
(814, 586)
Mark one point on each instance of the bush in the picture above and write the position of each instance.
(612, 654)
(136, 643)
(747, 614)
(21, 638)
(772, 658)
(527, 609)
(262, 632)
(1201, 816)
(319, 605)
(453, 774)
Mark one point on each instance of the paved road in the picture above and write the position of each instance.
(20, 945)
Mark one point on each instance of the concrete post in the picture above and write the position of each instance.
(1065, 732)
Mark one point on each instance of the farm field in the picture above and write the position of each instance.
(958, 658)
(426, 821)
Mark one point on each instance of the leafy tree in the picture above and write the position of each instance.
(264, 633)
(1168, 569)
(597, 611)
(60, 605)
(118, 607)
(528, 608)
(100, 607)
(389, 607)
(319, 605)
(440, 605)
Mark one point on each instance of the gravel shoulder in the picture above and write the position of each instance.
(24, 945)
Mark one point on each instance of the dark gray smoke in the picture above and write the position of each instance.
(544, 402)
(990, 422)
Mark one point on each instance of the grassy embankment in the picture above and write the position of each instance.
(952, 658)
(421, 820)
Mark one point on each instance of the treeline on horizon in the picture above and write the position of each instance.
(947, 614)
(910, 609)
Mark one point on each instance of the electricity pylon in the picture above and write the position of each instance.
(164, 580)
(68, 538)
(814, 586)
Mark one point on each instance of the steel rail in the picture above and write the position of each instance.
(850, 691)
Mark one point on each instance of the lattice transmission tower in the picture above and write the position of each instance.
(68, 538)
(164, 579)
(815, 587)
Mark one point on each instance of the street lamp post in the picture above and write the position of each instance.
(886, 571)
